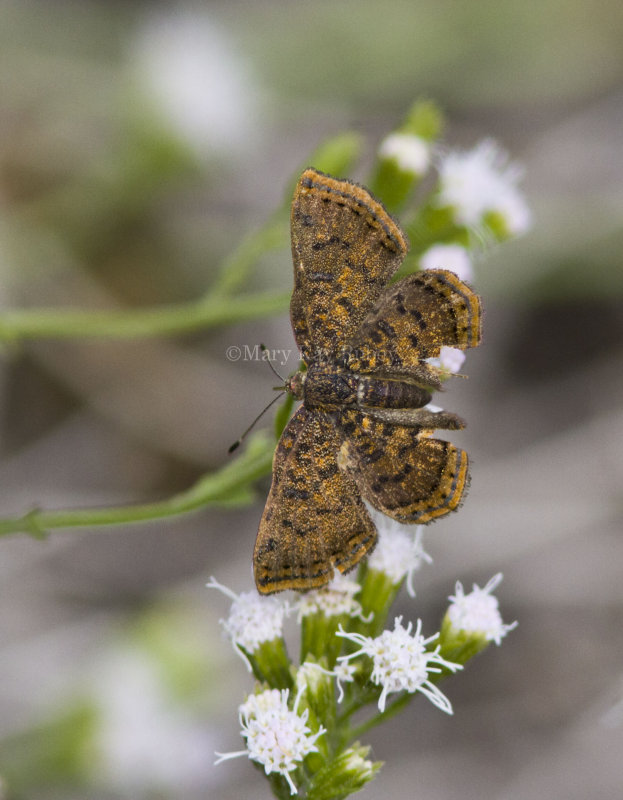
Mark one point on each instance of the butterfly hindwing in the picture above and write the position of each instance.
(412, 319)
(314, 518)
(345, 248)
(401, 470)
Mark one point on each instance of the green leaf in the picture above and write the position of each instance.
(283, 414)
(425, 120)
(337, 155)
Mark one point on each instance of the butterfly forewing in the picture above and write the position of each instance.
(314, 518)
(345, 248)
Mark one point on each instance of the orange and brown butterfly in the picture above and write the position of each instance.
(362, 431)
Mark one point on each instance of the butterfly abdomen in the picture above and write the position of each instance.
(380, 393)
(328, 387)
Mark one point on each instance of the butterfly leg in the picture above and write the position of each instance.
(418, 418)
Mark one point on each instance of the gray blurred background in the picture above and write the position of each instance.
(138, 143)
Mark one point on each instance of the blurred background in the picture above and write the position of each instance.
(139, 142)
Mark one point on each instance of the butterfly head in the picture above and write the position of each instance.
(295, 385)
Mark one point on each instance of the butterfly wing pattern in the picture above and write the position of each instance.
(362, 432)
(315, 518)
(345, 248)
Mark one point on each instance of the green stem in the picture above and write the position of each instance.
(396, 706)
(362, 698)
(237, 266)
(213, 488)
(136, 322)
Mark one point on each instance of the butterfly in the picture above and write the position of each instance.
(363, 431)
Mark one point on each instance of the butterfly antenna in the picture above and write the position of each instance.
(264, 349)
(239, 441)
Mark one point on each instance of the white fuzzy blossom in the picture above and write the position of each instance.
(401, 662)
(448, 256)
(481, 181)
(333, 600)
(252, 619)
(399, 551)
(410, 152)
(196, 81)
(478, 611)
(262, 703)
(146, 743)
(450, 359)
(277, 738)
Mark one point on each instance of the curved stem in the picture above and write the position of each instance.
(136, 322)
(219, 487)
(236, 267)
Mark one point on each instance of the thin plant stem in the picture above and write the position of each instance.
(216, 307)
(219, 487)
(394, 708)
(236, 267)
(135, 323)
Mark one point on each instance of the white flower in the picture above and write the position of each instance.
(450, 359)
(262, 703)
(448, 256)
(478, 612)
(481, 181)
(197, 82)
(276, 737)
(146, 743)
(333, 600)
(402, 663)
(411, 153)
(252, 619)
(399, 550)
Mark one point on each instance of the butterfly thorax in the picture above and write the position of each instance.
(329, 386)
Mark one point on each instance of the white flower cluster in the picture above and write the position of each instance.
(277, 737)
(145, 740)
(252, 619)
(481, 181)
(401, 662)
(478, 612)
(399, 550)
(410, 152)
(333, 600)
(193, 79)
